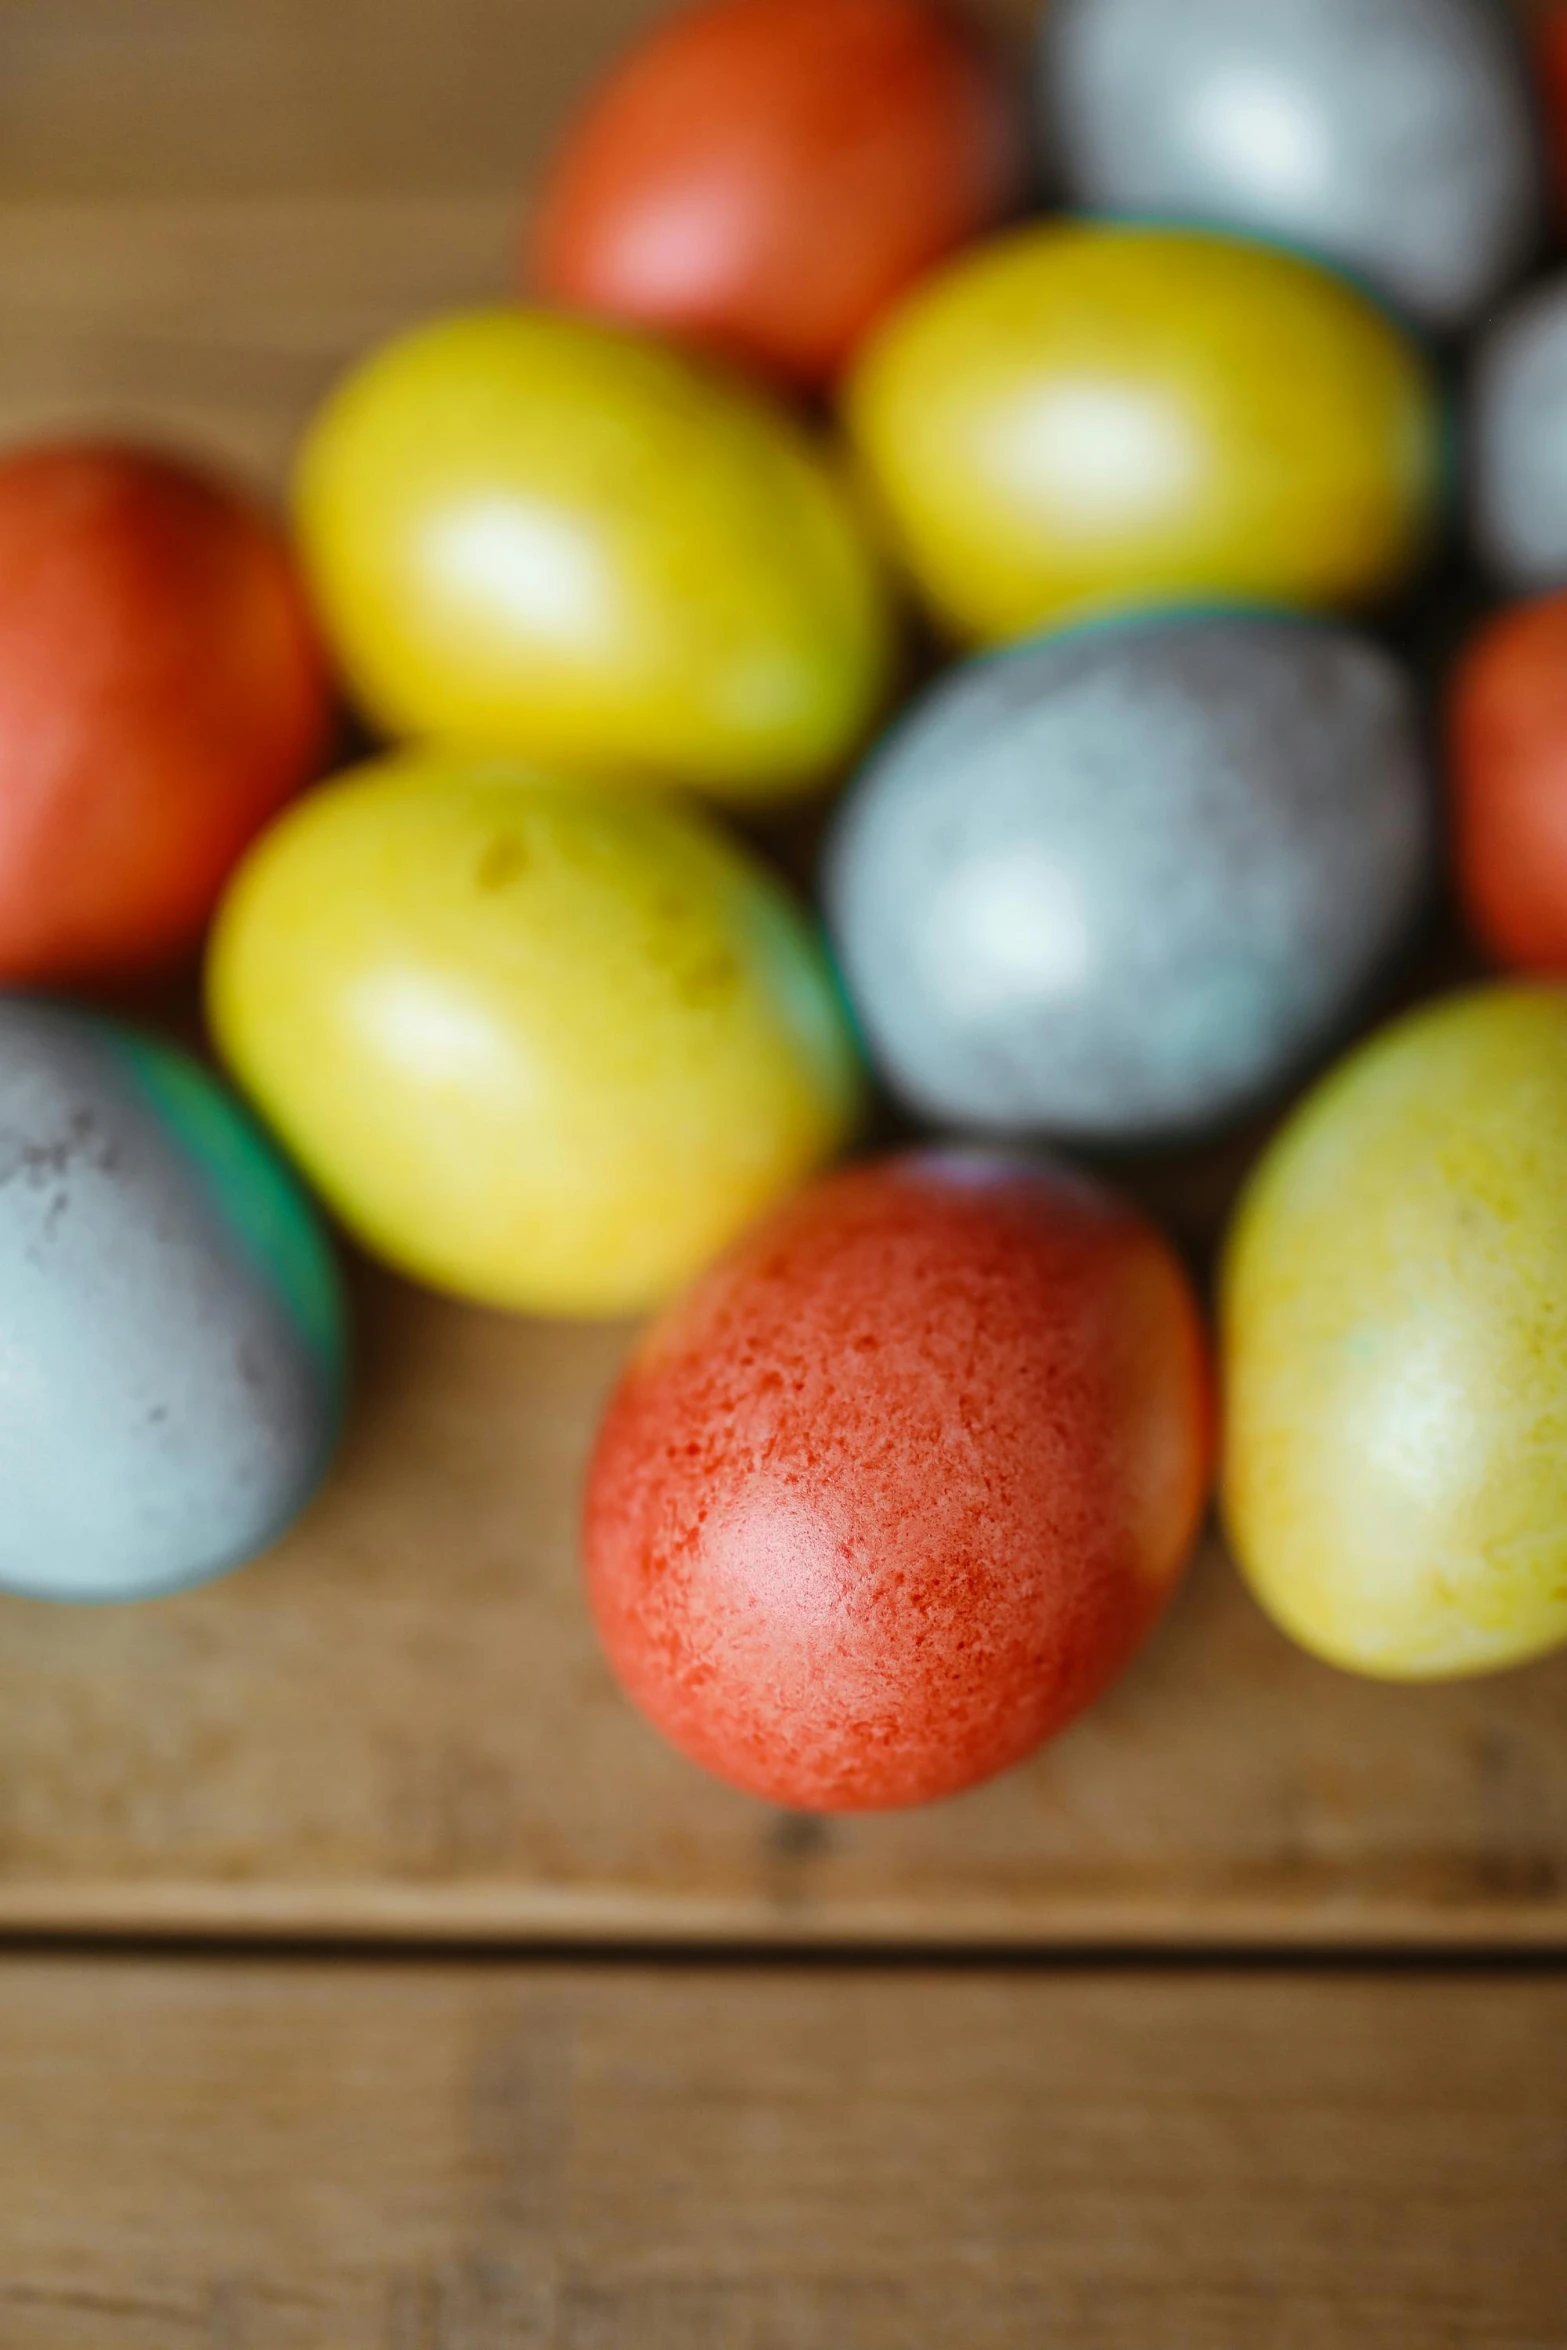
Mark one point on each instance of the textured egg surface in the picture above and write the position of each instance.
(171, 1328)
(901, 1484)
(1395, 1348)
(1120, 882)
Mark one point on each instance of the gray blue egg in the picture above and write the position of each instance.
(1396, 137)
(1518, 440)
(171, 1323)
(1120, 883)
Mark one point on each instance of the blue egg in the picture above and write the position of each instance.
(1518, 440)
(1118, 884)
(1396, 137)
(172, 1340)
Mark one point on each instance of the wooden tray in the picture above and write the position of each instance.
(399, 1723)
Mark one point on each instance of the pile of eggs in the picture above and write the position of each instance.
(616, 577)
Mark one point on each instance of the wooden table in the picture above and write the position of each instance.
(373, 1977)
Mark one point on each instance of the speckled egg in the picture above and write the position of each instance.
(1394, 136)
(901, 1484)
(1118, 884)
(171, 1328)
(1395, 1348)
(1518, 441)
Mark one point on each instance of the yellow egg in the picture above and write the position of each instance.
(535, 534)
(539, 1044)
(1394, 1328)
(1082, 413)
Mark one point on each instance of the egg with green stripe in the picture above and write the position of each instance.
(171, 1325)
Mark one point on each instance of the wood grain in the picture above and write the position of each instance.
(399, 1724)
(289, 2156)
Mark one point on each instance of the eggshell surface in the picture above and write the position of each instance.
(1508, 736)
(1394, 136)
(172, 1325)
(1082, 413)
(543, 1046)
(762, 177)
(899, 1486)
(538, 534)
(1518, 440)
(162, 692)
(1118, 883)
(1395, 1348)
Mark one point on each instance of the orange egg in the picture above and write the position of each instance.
(162, 693)
(762, 177)
(1508, 743)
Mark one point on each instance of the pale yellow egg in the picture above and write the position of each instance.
(1394, 1335)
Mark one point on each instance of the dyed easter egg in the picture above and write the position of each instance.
(1395, 1348)
(1082, 413)
(172, 1327)
(901, 1484)
(1120, 882)
(161, 694)
(762, 177)
(1518, 440)
(1508, 736)
(1396, 137)
(535, 534)
(541, 1045)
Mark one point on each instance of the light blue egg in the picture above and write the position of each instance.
(1518, 440)
(1396, 137)
(1120, 883)
(171, 1321)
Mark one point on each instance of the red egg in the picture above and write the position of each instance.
(1508, 743)
(899, 1486)
(161, 693)
(762, 177)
